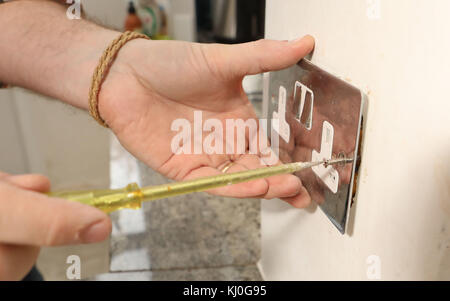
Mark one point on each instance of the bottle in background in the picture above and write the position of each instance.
(132, 22)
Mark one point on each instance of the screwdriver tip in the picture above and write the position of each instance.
(340, 161)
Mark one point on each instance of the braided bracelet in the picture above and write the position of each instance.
(102, 68)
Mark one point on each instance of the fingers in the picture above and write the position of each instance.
(261, 56)
(241, 190)
(32, 218)
(287, 187)
(16, 261)
(278, 186)
(301, 200)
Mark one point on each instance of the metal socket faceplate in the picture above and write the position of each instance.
(318, 116)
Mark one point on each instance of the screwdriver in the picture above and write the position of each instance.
(132, 196)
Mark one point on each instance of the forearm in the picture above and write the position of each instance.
(42, 50)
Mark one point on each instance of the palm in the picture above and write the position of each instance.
(184, 78)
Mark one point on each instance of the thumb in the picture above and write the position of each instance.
(263, 55)
(31, 218)
(34, 182)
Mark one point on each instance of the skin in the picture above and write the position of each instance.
(150, 84)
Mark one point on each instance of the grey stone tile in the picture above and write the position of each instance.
(246, 273)
(191, 231)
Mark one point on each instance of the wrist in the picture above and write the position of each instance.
(83, 59)
(121, 81)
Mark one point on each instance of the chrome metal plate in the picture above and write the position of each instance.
(322, 119)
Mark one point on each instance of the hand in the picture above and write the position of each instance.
(153, 83)
(29, 219)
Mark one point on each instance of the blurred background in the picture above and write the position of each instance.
(195, 237)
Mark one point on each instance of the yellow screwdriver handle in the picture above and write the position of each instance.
(107, 200)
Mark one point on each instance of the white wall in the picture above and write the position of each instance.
(12, 152)
(40, 135)
(402, 213)
(182, 23)
(110, 13)
(61, 142)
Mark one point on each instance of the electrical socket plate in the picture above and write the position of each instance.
(319, 116)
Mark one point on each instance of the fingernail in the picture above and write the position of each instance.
(304, 38)
(95, 232)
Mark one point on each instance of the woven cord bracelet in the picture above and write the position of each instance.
(102, 68)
